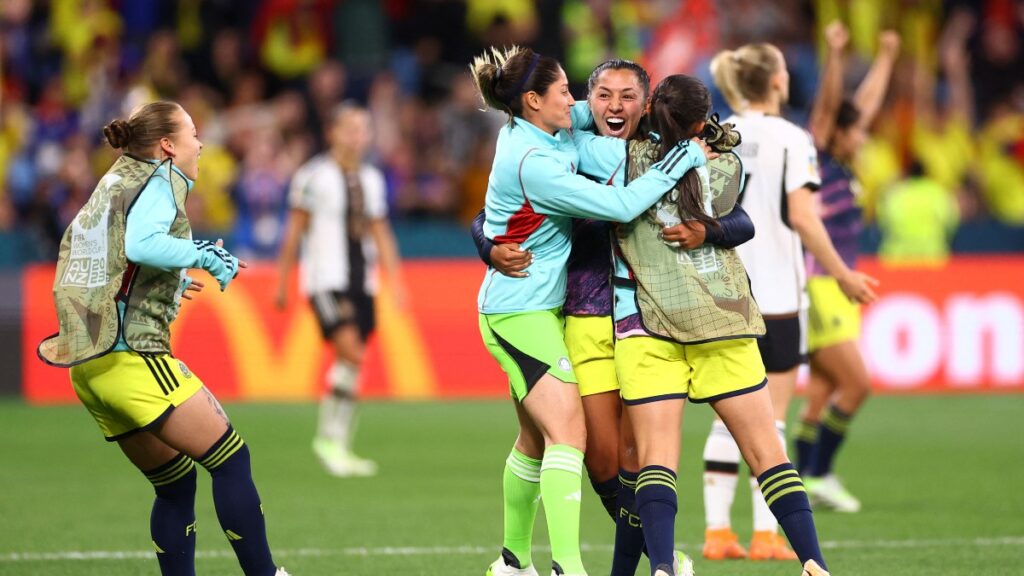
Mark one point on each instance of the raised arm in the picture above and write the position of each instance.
(956, 65)
(871, 92)
(830, 91)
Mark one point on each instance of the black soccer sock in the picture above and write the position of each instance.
(806, 446)
(608, 492)
(831, 434)
(656, 505)
(238, 504)
(172, 523)
(629, 535)
(784, 492)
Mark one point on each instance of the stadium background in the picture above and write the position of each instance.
(259, 77)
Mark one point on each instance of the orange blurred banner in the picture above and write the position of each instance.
(959, 328)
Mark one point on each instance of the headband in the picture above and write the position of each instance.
(526, 77)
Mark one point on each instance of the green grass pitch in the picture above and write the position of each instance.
(941, 480)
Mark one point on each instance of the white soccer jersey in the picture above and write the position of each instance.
(778, 158)
(319, 188)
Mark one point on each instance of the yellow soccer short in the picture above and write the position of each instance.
(832, 318)
(591, 344)
(126, 392)
(651, 369)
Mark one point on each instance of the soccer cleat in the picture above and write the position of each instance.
(769, 545)
(508, 565)
(682, 565)
(556, 570)
(360, 466)
(663, 570)
(340, 462)
(811, 568)
(722, 544)
(828, 492)
(281, 572)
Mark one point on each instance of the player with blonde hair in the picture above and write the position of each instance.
(782, 174)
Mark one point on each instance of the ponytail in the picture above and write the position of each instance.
(144, 128)
(503, 76)
(744, 75)
(724, 71)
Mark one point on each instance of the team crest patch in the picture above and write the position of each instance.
(184, 369)
(564, 364)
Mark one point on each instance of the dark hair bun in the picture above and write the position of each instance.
(118, 133)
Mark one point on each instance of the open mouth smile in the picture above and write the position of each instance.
(616, 125)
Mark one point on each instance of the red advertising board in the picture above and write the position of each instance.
(959, 328)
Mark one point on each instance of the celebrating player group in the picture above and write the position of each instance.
(642, 253)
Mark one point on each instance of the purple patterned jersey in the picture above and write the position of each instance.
(839, 211)
(589, 290)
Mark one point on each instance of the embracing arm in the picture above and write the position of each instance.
(602, 158)
(553, 189)
(735, 228)
(483, 245)
(509, 259)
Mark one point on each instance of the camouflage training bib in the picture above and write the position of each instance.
(93, 274)
(689, 296)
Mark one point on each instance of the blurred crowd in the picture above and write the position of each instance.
(260, 78)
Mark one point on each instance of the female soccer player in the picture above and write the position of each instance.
(696, 342)
(617, 94)
(533, 193)
(338, 217)
(839, 382)
(121, 275)
(782, 172)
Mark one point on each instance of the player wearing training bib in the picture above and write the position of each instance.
(839, 382)
(533, 194)
(697, 299)
(121, 276)
(618, 90)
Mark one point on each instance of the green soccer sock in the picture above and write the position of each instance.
(521, 485)
(561, 479)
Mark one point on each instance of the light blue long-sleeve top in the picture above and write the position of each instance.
(147, 239)
(533, 193)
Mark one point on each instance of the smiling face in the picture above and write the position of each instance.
(184, 145)
(550, 111)
(617, 102)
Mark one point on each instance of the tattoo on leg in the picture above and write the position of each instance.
(216, 406)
